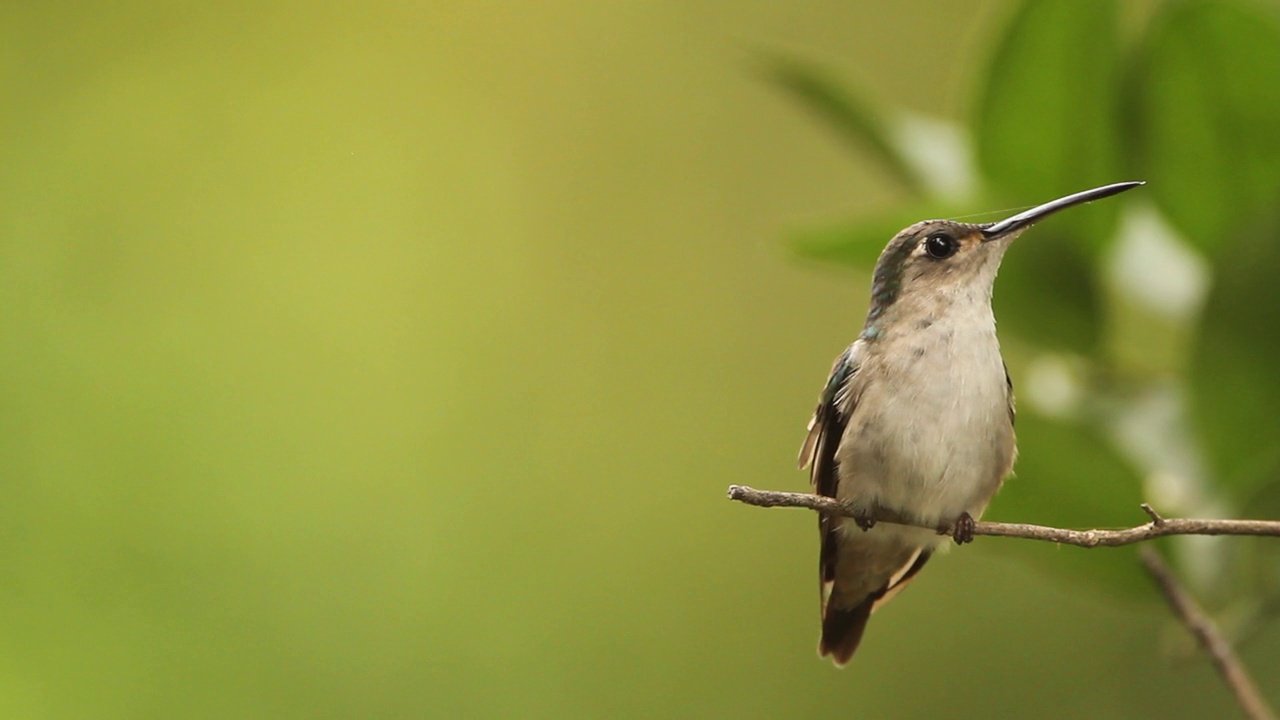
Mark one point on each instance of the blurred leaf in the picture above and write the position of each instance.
(1265, 505)
(853, 245)
(1068, 477)
(1046, 295)
(849, 114)
(859, 243)
(1047, 122)
(1234, 380)
(1262, 555)
(1208, 109)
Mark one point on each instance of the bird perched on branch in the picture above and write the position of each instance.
(916, 420)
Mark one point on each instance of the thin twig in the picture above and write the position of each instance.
(1206, 633)
(1158, 527)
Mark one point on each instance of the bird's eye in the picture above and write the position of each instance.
(940, 246)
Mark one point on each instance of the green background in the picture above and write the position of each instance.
(392, 361)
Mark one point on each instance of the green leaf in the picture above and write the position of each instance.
(1066, 476)
(848, 113)
(1235, 383)
(1047, 122)
(1208, 99)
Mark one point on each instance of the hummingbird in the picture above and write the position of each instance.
(915, 423)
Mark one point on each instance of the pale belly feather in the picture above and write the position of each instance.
(930, 436)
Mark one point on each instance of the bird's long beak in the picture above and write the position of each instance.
(1025, 219)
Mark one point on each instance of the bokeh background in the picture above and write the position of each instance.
(392, 361)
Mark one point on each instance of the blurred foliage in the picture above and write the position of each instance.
(1204, 125)
(1189, 102)
(1234, 377)
(1048, 489)
(1046, 118)
(847, 113)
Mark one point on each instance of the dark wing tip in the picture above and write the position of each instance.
(842, 630)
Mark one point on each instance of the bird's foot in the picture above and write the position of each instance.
(865, 519)
(962, 531)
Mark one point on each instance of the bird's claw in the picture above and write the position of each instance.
(962, 531)
(864, 519)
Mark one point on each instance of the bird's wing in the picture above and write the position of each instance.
(818, 453)
(843, 622)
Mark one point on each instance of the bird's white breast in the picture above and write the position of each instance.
(930, 434)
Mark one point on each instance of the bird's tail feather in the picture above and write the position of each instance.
(842, 630)
(842, 626)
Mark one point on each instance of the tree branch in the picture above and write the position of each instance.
(1206, 633)
(1158, 527)
(1184, 606)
